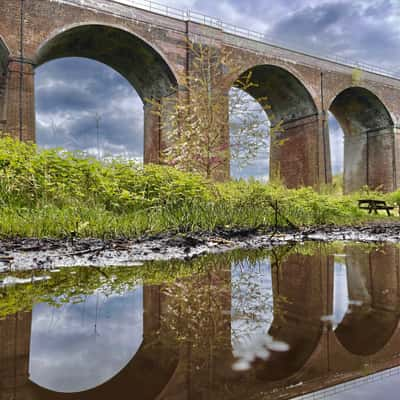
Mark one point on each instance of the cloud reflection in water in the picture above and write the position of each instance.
(80, 346)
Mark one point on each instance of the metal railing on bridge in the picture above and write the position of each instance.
(194, 16)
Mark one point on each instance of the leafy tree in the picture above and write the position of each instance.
(195, 121)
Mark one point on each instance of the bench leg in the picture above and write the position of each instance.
(388, 213)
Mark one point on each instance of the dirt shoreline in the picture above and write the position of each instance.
(31, 254)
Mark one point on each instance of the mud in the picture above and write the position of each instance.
(27, 254)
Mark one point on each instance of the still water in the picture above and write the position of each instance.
(308, 321)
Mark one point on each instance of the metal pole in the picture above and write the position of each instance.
(21, 71)
(98, 118)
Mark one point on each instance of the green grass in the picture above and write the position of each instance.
(54, 193)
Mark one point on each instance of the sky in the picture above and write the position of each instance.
(82, 104)
(79, 346)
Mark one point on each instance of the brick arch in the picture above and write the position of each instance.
(139, 374)
(150, 72)
(372, 89)
(299, 160)
(353, 106)
(368, 126)
(292, 76)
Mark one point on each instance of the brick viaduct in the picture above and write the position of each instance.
(148, 49)
(367, 340)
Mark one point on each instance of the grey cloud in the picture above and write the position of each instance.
(68, 355)
(345, 29)
(70, 92)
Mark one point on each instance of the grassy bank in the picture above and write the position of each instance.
(56, 193)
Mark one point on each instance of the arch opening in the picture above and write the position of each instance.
(336, 151)
(84, 105)
(142, 66)
(248, 120)
(135, 60)
(293, 116)
(252, 302)
(340, 291)
(368, 139)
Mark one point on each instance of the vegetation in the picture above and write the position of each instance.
(74, 285)
(57, 193)
(198, 136)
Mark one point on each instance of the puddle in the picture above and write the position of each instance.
(270, 323)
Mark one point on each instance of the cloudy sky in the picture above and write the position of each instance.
(82, 104)
(79, 346)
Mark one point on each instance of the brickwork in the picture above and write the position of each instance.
(381, 160)
(296, 157)
(152, 145)
(152, 53)
(15, 331)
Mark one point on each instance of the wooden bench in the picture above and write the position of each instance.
(374, 205)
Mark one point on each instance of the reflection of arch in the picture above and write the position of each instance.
(368, 130)
(149, 371)
(143, 66)
(372, 281)
(298, 307)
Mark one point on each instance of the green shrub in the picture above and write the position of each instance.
(59, 193)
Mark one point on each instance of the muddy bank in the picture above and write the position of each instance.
(25, 254)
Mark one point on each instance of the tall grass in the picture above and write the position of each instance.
(58, 193)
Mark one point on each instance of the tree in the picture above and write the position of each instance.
(195, 122)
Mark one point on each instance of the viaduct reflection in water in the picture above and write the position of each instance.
(188, 330)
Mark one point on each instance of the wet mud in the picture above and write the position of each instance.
(26, 254)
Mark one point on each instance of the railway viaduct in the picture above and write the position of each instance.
(148, 47)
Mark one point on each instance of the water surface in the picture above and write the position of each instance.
(280, 324)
